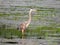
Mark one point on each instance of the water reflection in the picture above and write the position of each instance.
(27, 42)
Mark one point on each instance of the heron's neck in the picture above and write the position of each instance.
(30, 16)
(29, 20)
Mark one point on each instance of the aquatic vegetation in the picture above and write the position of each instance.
(38, 32)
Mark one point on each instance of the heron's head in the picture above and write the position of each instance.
(33, 10)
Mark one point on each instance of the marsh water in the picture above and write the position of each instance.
(14, 12)
(18, 41)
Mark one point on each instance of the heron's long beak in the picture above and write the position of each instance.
(34, 10)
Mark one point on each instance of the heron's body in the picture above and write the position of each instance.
(25, 24)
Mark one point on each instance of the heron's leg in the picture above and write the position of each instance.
(22, 31)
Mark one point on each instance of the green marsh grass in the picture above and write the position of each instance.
(7, 33)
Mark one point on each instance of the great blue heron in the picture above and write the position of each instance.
(25, 24)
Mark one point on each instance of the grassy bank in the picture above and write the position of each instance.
(39, 31)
